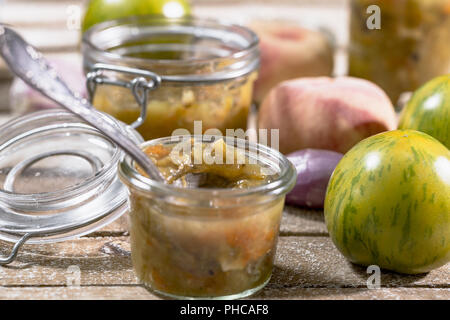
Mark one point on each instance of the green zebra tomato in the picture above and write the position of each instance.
(388, 202)
(104, 10)
(429, 110)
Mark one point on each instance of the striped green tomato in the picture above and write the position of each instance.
(429, 110)
(104, 10)
(388, 202)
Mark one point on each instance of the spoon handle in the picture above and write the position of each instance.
(29, 65)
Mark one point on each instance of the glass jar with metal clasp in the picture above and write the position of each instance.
(195, 69)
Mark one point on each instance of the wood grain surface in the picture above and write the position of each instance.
(307, 266)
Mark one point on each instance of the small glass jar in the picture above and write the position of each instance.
(412, 46)
(206, 243)
(195, 70)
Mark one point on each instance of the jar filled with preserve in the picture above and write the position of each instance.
(210, 230)
(163, 74)
(411, 46)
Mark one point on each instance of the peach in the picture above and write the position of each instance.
(326, 113)
(289, 51)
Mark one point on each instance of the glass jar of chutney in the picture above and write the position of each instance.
(163, 74)
(411, 47)
(212, 232)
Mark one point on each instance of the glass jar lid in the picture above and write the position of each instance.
(58, 178)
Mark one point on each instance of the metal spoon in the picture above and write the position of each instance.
(29, 65)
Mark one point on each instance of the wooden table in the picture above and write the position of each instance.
(307, 266)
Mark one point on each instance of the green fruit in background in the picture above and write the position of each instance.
(388, 202)
(429, 110)
(104, 10)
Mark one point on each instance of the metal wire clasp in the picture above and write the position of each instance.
(140, 86)
(12, 256)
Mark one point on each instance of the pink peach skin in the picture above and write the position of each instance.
(326, 113)
(288, 52)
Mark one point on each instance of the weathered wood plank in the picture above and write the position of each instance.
(354, 294)
(301, 262)
(301, 221)
(77, 293)
(117, 228)
(140, 293)
(103, 260)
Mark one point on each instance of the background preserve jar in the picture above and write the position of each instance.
(179, 70)
(206, 242)
(412, 46)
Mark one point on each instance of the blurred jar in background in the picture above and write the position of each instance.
(207, 71)
(412, 46)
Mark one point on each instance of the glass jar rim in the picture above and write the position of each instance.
(281, 185)
(192, 25)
